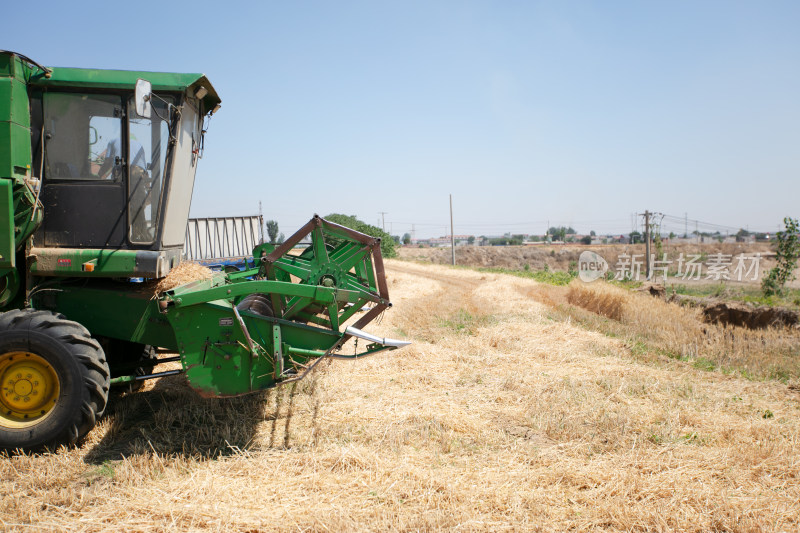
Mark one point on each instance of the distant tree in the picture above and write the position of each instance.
(505, 241)
(387, 242)
(786, 258)
(741, 235)
(635, 237)
(592, 233)
(671, 235)
(659, 246)
(560, 233)
(406, 238)
(586, 239)
(396, 239)
(281, 238)
(471, 240)
(272, 230)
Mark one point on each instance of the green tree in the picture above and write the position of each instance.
(406, 238)
(635, 237)
(658, 244)
(586, 240)
(387, 242)
(272, 231)
(506, 241)
(786, 258)
(471, 240)
(741, 235)
(560, 233)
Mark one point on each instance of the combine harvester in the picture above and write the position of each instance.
(96, 173)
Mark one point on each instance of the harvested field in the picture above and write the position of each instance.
(510, 411)
(654, 327)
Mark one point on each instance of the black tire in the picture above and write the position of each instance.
(126, 358)
(79, 364)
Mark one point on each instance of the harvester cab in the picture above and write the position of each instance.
(97, 169)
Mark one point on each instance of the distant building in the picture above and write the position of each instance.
(460, 240)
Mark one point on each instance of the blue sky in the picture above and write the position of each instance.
(577, 113)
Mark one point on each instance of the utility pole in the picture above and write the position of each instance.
(261, 220)
(452, 235)
(383, 219)
(685, 225)
(647, 242)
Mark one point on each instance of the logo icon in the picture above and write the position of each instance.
(591, 266)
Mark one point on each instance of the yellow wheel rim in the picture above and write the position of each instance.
(29, 389)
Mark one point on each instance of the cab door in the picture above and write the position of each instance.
(85, 174)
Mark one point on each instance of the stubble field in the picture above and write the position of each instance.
(518, 407)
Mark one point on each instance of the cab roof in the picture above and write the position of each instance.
(126, 79)
(35, 74)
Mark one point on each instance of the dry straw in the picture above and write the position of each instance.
(597, 299)
(506, 414)
(184, 273)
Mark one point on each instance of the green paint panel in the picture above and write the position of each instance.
(7, 244)
(15, 139)
(75, 261)
(6, 65)
(13, 102)
(15, 150)
(120, 310)
(215, 352)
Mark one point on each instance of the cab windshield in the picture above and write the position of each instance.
(147, 156)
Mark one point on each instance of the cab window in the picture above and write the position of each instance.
(83, 137)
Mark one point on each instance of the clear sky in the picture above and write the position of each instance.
(576, 113)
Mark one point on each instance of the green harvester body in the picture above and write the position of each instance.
(89, 231)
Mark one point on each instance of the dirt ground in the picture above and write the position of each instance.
(502, 416)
